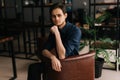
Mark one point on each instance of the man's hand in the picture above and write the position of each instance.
(54, 29)
(56, 65)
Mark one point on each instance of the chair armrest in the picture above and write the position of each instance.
(75, 68)
(76, 57)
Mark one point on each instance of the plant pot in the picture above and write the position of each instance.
(98, 67)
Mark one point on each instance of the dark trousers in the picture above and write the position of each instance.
(35, 70)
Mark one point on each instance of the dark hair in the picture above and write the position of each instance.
(58, 5)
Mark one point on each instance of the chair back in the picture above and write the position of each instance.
(80, 67)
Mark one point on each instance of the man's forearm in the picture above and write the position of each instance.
(59, 45)
(47, 54)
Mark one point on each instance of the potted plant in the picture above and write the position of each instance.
(102, 54)
(89, 29)
(99, 45)
(99, 50)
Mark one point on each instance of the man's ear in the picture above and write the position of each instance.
(66, 15)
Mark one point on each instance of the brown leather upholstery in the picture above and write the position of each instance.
(80, 67)
(75, 68)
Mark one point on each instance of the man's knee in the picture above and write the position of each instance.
(34, 67)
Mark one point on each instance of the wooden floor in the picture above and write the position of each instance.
(6, 68)
(22, 66)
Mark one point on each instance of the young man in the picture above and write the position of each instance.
(64, 38)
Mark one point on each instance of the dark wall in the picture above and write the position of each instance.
(15, 11)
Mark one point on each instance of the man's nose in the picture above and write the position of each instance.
(56, 18)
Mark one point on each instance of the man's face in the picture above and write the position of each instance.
(58, 17)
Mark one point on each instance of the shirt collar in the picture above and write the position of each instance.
(65, 28)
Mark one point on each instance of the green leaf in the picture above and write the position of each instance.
(103, 17)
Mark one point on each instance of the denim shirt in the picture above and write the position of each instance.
(70, 36)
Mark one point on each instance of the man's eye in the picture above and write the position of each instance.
(59, 15)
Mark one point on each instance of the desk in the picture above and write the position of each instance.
(9, 40)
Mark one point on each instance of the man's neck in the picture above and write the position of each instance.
(62, 25)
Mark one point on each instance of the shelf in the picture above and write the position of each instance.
(29, 6)
(110, 25)
(9, 7)
(101, 4)
(69, 4)
(109, 66)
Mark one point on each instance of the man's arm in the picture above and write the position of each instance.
(56, 65)
(59, 45)
(47, 54)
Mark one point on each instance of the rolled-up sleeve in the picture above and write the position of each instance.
(72, 42)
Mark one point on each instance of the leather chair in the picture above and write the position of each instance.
(79, 67)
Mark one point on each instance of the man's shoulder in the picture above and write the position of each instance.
(73, 25)
(73, 28)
